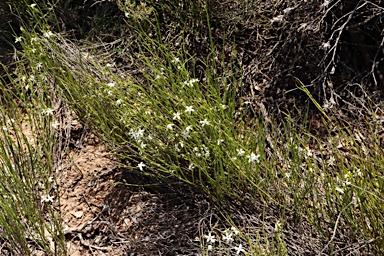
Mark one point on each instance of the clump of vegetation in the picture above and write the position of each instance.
(173, 99)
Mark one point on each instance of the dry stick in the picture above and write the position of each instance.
(374, 63)
(334, 229)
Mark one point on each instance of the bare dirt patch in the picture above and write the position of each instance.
(103, 215)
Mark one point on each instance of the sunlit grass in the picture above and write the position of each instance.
(172, 124)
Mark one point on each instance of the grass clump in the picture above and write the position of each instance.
(29, 219)
(182, 121)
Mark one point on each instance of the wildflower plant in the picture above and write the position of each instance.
(169, 120)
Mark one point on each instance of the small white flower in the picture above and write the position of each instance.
(227, 237)
(279, 18)
(240, 152)
(346, 182)
(219, 141)
(39, 66)
(48, 34)
(143, 145)
(235, 231)
(253, 158)
(111, 85)
(204, 122)
(141, 165)
(239, 249)
(210, 238)
(326, 45)
(288, 10)
(189, 109)
(224, 106)
(331, 161)
(340, 190)
(325, 4)
(176, 116)
(5, 128)
(188, 128)
(278, 226)
(34, 39)
(47, 199)
(47, 112)
(33, 6)
(194, 80)
(109, 65)
(190, 83)
(179, 146)
(191, 167)
(170, 126)
(137, 135)
(175, 60)
(210, 247)
(302, 27)
(119, 101)
(56, 125)
(18, 39)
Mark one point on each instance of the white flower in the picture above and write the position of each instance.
(278, 226)
(56, 125)
(210, 238)
(47, 111)
(227, 237)
(18, 39)
(186, 132)
(48, 34)
(239, 249)
(325, 4)
(176, 116)
(137, 135)
(33, 6)
(302, 26)
(47, 199)
(39, 66)
(141, 165)
(279, 18)
(204, 122)
(170, 126)
(219, 141)
(224, 106)
(191, 82)
(326, 45)
(340, 190)
(253, 158)
(189, 109)
(191, 167)
(119, 102)
(175, 60)
(5, 128)
(331, 161)
(235, 230)
(240, 152)
(179, 146)
(288, 10)
(188, 128)
(111, 84)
